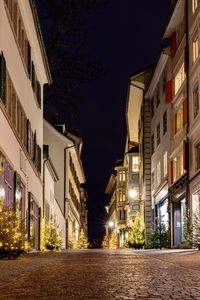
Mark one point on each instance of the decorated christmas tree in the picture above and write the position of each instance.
(73, 243)
(136, 234)
(113, 242)
(52, 239)
(12, 234)
(105, 242)
(82, 241)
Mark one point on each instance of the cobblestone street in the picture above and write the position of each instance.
(101, 274)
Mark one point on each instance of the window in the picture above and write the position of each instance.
(196, 101)
(122, 196)
(195, 49)
(152, 144)
(158, 174)
(197, 156)
(164, 122)
(158, 134)
(20, 195)
(179, 78)
(122, 176)
(135, 164)
(194, 5)
(179, 118)
(178, 166)
(165, 165)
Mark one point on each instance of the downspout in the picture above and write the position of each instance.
(43, 200)
(65, 178)
(187, 93)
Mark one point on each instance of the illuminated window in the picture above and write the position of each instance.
(194, 5)
(179, 118)
(178, 166)
(195, 101)
(135, 164)
(195, 49)
(122, 176)
(158, 174)
(179, 78)
(165, 165)
(122, 196)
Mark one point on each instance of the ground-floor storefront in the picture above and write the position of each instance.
(179, 210)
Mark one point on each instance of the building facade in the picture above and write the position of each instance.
(23, 73)
(194, 113)
(65, 151)
(177, 89)
(160, 139)
(52, 210)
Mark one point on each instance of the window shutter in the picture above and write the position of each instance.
(34, 146)
(39, 94)
(185, 155)
(29, 59)
(170, 172)
(28, 136)
(33, 76)
(2, 78)
(28, 215)
(169, 91)
(25, 131)
(39, 159)
(184, 111)
(173, 44)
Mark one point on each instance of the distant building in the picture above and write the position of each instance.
(117, 209)
(65, 151)
(23, 72)
(131, 160)
(52, 210)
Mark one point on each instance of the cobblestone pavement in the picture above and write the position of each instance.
(101, 274)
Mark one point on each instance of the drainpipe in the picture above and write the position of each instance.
(187, 93)
(43, 200)
(65, 177)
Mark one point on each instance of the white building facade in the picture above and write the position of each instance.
(65, 150)
(23, 72)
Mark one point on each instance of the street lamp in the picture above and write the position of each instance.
(133, 193)
(111, 224)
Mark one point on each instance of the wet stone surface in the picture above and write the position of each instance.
(101, 274)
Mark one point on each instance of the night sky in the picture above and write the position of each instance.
(125, 37)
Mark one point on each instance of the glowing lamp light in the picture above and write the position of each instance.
(111, 224)
(133, 193)
(2, 193)
(18, 195)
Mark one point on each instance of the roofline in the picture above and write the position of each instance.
(65, 139)
(140, 71)
(168, 19)
(40, 39)
(50, 165)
